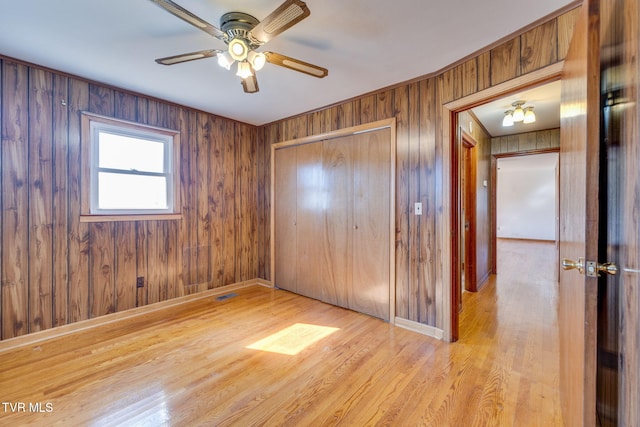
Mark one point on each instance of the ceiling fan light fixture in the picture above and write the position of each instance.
(238, 49)
(529, 115)
(508, 119)
(244, 70)
(257, 60)
(225, 60)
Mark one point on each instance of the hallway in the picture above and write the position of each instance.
(511, 327)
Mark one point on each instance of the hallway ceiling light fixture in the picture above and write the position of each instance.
(518, 114)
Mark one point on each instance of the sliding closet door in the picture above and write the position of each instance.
(309, 230)
(333, 219)
(337, 161)
(284, 211)
(371, 218)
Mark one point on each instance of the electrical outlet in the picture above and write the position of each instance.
(417, 208)
(140, 282)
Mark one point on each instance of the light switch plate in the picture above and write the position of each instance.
(417, 208)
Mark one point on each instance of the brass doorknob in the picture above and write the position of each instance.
(609, 268)
(568, 264)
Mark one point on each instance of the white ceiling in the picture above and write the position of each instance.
(544, 99)
(365, 44)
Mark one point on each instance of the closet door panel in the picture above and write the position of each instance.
(337, 159)
(371, 231)
(285, 218)
(310, 271)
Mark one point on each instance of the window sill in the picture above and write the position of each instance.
(142, 217)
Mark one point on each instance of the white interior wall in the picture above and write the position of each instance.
(526, 197)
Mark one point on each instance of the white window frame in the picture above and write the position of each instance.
(92, 126)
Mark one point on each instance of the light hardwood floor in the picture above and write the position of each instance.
(191, 365)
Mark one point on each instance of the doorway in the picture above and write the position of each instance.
(502, 144)
(469, 212)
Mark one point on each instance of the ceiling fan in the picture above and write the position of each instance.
(243, 34)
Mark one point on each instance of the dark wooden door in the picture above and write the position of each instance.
(579, 160)
(618, 364)
(600, 214)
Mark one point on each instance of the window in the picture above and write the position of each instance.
(128, 170)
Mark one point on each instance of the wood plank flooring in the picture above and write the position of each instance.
(191, 365)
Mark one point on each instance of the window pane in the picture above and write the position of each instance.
(130, 153)
(121, 191)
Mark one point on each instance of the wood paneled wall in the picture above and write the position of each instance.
(528, 141)
(56, 270)
(419, 178)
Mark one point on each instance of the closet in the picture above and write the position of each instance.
(332, 218)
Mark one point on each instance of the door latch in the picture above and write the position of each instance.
(590, 268)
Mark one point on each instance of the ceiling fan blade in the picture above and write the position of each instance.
(284, 17)
(185, 57)
(192, 19)
(296, 64)
(250, 84)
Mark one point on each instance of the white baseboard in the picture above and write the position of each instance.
(419, 328)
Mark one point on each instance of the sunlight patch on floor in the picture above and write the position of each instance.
(293, 339)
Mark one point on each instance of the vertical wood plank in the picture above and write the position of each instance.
(427, 304)
(102, 242)
(60, 198)
(203, 242)
(157, 241)
(40, 203)
(229, 146)
(470, 77)
(296, 127)
(484, 71)
(527, 141)
(244, 205)
(15, 200)
(385, 105)
(566, 25)
(447, 86)
(253, 205)
(413, 176)
(262, 185)
(320, 122)
(505, 61)
(191, 253)
(345, 115)
(538, 47)
(241, 203)
(401, 106)
(125, 107)
(271, 135)
(184, 232)
(173, 227)
(78, 232)
(367, 110)
(142, 252)
(216, 167)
